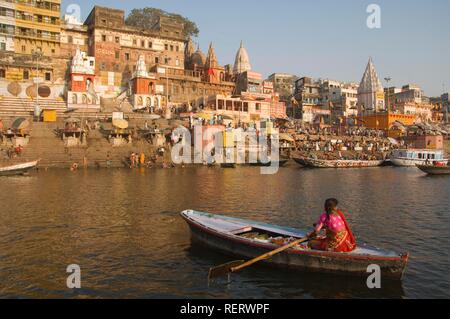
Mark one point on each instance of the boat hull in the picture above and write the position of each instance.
(341, 163)
(300, 161)
(279, 163)
(434, 170)
(18, 169)
(303, 260)
(408, 162)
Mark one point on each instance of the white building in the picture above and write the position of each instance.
(370, 91)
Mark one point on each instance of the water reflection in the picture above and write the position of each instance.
(123, 228)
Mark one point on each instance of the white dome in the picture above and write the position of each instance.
(242, 62)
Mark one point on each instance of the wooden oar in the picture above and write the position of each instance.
(238, 265)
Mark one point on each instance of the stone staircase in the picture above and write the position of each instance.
(16, 107)
(46, 145)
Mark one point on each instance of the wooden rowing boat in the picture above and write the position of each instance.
(228, 165)
(237, 237)
(18, 169)
(279, 163)
(318, 163)
(435, 170)
(300, 160)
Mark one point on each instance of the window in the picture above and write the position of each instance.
(258, 106)
(237, 106)
(134, 41)
(166, 61)
(23, 48)
(3, 46)
(143, 43)
(26, 75)
(103, 38)
(48, 76)
(103, 66)
(177, 63)
(150, 45)
(220, 104)
(245, 106)
(117, 40)
(2, 73)
(171, 48)
(117, 54)
(178, 48)
(127, 56)
(229, 105)
(166, 47)
(70, 39)
(156, 60)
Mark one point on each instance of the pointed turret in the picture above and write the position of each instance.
(370, 91)
(242, 61)
(370, 82)
(211, 58)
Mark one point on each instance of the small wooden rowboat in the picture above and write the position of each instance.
(300, 160)
(18, 169)
(249, 239)
(279, 163)
(435, 170)
(317, 163)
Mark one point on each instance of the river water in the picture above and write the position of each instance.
(122, 227)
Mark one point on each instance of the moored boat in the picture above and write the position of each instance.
(319, 163)
(414, 157)
(18, 169)
(279, 163)
(249, 239)
(300, 160)
(435, 170)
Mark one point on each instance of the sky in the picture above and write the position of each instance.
(326, 39)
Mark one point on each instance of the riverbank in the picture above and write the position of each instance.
(45, 144)
(122, 227)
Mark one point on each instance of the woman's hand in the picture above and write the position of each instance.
(312, 235)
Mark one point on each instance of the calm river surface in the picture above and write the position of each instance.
(123, 228)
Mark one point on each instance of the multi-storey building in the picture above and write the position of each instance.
(29, 35)
(283, 84)
(308, 98)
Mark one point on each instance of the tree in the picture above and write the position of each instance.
(146, 18)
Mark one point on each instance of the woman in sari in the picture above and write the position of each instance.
(339, 237)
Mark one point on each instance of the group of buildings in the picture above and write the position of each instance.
(104, 63)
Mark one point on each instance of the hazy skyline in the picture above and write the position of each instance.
(321, 39)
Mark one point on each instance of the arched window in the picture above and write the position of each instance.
(74, 99)
(148, 102)
(140, 101)
(84, 99)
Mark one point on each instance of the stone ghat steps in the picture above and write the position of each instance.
(12, 106)
(98, 153)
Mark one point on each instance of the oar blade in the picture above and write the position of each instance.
(223, 269)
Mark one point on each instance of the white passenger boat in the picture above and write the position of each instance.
(414, 157)
(17, 169)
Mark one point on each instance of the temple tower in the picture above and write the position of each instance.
(370, 91)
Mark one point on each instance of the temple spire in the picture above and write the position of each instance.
(242, 61)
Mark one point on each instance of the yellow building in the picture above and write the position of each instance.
(385, 121)
(28, 27)
(37, 27)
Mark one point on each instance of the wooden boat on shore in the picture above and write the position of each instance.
(17, 169)
(249, 239)
(300, 160)
(319, 163)
(228, 165)
(434, 170)
(279, 163)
